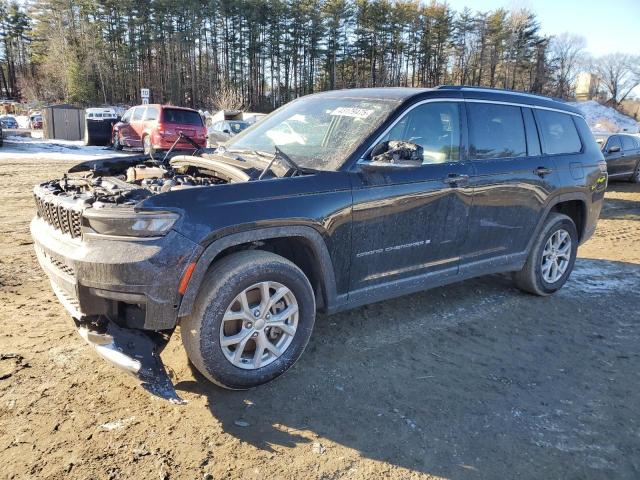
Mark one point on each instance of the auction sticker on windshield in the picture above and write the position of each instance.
(352, 112)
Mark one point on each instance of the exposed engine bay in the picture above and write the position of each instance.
(129, 181)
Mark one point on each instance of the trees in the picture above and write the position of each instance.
(619, 73)
(14, 40)
(263, 53)
(567, 53)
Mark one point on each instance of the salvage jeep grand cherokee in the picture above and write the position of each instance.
(335, 200)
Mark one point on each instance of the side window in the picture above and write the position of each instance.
(628, 144)
(433, 126)
(613, 141)
(138, 113)
(496, 131)
(152, 114)
(558, 132)
(126, 118)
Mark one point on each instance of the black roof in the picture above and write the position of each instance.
(459, 91)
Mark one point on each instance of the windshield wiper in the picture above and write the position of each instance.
(285, 159)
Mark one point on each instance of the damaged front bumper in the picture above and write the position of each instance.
(123, 296)
(137, 352)
(134, 351)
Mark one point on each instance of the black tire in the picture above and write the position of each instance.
(147, 147)
(530, 279)
(224, 281)
(635, 178)
(115, 142)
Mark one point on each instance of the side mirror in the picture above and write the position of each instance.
(614, 149)
(227, 131)
(395, 154)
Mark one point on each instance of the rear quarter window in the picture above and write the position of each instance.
(496, 131)
(559, 133)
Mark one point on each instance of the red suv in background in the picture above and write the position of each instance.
(157, 127)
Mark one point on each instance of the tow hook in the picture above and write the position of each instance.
(134, 351)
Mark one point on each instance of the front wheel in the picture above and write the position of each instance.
(552, 257)
(147, 146)
(116, 141)
(251, 321)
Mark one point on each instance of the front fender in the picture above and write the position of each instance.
(215, 248)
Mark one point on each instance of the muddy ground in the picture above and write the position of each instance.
(474, 380)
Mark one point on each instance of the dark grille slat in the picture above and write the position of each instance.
(76, 230)
(64, 219)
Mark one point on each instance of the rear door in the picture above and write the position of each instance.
(408, 222)
(177, 120)
(511, 181)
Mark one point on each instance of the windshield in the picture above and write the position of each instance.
(601, 140)
(316, 132)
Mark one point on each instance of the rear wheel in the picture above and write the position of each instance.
(251, 321)
(635, 178)
(552, 257)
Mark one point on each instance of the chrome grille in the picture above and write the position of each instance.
(64, 219)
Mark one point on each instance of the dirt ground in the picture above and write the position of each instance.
(474, 380)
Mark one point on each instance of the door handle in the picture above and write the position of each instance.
(542, 171)
(454, 179)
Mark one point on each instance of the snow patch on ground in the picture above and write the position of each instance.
(117, 424)
(35, 147)
(600, 276)
(606, 119)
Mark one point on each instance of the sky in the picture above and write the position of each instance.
(612, 26)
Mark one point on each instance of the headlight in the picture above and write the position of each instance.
(127, 223)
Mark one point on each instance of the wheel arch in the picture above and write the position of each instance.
(302, 245)
(573, 204)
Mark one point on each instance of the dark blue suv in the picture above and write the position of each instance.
(335, 200)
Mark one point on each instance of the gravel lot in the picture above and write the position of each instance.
(474, 380)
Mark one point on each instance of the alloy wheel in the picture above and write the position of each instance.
(259, 325)
(556, 256)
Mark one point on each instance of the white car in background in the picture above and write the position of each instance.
(98, 125)
(100, 114)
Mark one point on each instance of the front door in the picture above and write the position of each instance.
(410, 222)
(614, 156)
(136, 127)
(630, 154)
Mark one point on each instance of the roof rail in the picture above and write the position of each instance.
(467, 88)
